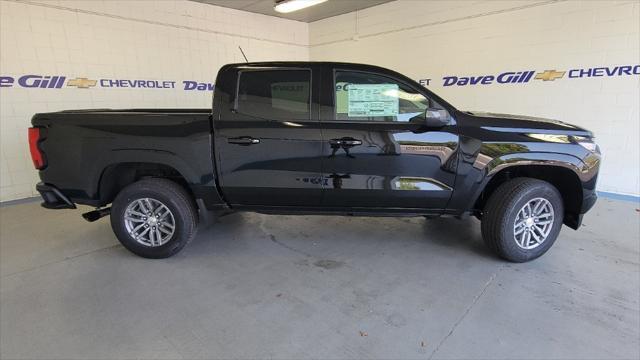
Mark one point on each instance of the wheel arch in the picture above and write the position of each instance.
(562, 178)
(565, 172)
(134, 163)
(116, 176)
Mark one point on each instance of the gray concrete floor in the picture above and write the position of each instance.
(257, 286)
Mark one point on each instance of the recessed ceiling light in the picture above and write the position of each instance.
(287, 6)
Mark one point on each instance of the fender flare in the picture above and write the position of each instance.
(149, 156)
(496, 165)
(538, 158)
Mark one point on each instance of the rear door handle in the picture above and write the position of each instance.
(244, 140)
(345, 142)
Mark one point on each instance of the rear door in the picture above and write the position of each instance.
(267, 138)
(377, 153)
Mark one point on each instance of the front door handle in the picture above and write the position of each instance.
(244, 140)
(345, 142)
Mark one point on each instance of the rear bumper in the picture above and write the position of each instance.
(53, 198)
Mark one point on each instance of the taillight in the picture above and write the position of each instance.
(36, 153)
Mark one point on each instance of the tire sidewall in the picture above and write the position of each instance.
(180, 234)
(509, 246)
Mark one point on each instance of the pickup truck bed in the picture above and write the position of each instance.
(104, 149)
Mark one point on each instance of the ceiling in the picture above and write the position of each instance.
(313, 13)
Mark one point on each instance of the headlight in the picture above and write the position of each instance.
(551, 138)
(586, 142)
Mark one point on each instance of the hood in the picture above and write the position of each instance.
(522, 123)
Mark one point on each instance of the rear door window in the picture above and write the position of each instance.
(274, 94)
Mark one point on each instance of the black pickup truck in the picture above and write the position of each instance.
(316, 138)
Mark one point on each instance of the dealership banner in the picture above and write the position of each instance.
(526, 76)
(521, 77)
(59, 81)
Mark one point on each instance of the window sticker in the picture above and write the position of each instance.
(342, 92)
(373, 100)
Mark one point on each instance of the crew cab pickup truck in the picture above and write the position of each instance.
(316, 138)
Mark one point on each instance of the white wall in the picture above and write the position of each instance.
(151, 40)
(432, 39)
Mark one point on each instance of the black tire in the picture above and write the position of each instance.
(501, 211)
(170, 194)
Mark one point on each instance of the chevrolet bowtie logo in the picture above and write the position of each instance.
(82, 83)
(549, 75)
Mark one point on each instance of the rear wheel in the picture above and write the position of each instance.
(522, 219)
(154, 218)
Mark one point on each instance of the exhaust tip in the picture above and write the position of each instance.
(94, 215)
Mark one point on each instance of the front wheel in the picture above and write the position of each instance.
(522, 219)
(154, 218)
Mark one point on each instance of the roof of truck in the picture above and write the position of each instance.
(305, 63)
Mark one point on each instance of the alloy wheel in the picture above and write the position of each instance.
(533, 223)
(149, 222)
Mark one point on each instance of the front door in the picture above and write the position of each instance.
(377, 153)
(268, 139)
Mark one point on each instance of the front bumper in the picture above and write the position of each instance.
(589, 178)
(588, 202)
(53, 198)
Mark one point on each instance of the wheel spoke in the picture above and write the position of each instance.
(539, 229)
(543, 210)
(136, 213)
(142, 233)
(148, 204)
(539, 206)
(164, 214)
(161, 227)
(535, 236)
(152, 236)
(523, 238)
(170, 226)
(137, 228)
(142, 206)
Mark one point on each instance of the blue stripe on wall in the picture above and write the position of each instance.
(615, 196)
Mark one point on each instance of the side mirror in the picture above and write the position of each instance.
(436, 118)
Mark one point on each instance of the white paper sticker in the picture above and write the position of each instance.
(373, 100)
